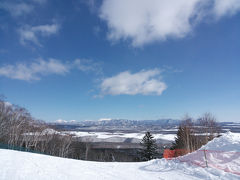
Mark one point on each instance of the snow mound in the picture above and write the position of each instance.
(227, 142)
(221, 153)
(16, 165)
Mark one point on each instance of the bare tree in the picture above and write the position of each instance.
(209, 127)
(192, 135)
(19, 129)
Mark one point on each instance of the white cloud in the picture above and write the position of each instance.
(34, 70)
(146, 21)
(40, 67)
(143, 82)
(31, 33)
(17, 9)
(226, 7)
(87, 65)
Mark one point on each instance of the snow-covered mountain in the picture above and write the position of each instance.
(125, 125)
(117, 124)
(16, 165)
(120, 122)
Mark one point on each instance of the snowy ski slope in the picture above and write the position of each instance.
(16, 165)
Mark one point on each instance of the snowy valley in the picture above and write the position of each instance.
(27, 166)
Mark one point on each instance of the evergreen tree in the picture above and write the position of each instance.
(180, 138)
(149, 150)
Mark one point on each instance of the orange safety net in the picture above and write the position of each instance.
(228, 161)
(168, 154)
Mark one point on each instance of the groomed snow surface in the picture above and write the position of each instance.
(29, 166)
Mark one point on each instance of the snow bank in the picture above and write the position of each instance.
(16, 165)
(227, 142)
(222, 153)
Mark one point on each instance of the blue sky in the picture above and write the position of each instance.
(87, 59)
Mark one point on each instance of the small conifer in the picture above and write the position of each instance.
(149, 145)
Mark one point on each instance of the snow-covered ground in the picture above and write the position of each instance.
(16, 165)
(105, 135)
(221, 153)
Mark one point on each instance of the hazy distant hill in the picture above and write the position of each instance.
(122, 124)
(132, 125)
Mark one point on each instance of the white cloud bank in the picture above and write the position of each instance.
(146, 21)
(32, 33)
(34, 70)
(226, 7)
(40, 67)
(143, 82)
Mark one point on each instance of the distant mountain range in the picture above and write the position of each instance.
(122, 122)
(113, 125)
